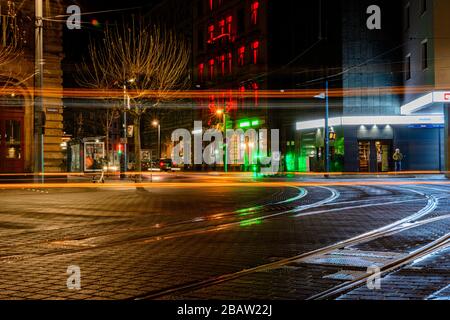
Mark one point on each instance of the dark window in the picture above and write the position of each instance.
(407, 16)
(200, 8)
(408, 68)
(200, 40)
(424, 55)
(423, 6)
(241, 20)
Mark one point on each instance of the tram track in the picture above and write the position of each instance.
(396, 227)
(255, 209)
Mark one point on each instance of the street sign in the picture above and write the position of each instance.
(130, 131)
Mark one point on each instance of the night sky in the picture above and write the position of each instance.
(76, 41)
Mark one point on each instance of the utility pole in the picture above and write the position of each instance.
(126, 105)
(38, 94)
(327, 133)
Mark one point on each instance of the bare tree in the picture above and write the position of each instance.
(107, 118)
(10, 38)
(149, 62)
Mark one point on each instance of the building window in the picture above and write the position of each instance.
(211, 33)
(423, 6)
(408, 67)
(229, 23)
(200, 40)
(241, 21)
(255, 7)
(407, 16)
(255, 51)
(222, 27)
(230, 62)
(201, 70)
(222, 64)
(424, 54)
(241, 56)
(211, 69)
(199, 8)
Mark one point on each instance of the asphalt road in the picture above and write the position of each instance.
(231, 238)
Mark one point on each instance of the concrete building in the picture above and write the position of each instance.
(17, 150)
(426, 32)
(374, 69)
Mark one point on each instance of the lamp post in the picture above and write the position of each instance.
(222, 113)
(156, 124)
(327, 129)
(38, 97)
(126, 106)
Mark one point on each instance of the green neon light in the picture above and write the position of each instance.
(245, 124)
(255, 123)
(290, 162)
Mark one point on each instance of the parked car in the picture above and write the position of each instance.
(165, 164)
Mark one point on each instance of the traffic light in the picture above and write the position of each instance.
(119, 149)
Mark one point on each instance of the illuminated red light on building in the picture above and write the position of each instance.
(229, 23)
(255, 50)
(211, 4)
(222, 27)
(211, 32)
(255, 7)
(211, 68)
(230, 62)
(222, 64)
(241, 56)
(201, 69)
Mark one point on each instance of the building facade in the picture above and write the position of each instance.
(426, 32)
(381, 70)
(17, 149)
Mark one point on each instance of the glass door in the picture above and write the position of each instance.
(383, 155)
(11, 145)
(364, 156)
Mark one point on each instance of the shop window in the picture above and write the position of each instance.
(255, 7)
(255, 51)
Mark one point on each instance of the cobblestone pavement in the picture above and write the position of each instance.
(133, 243)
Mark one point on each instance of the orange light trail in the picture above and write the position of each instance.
(85, 93)
(184, 185)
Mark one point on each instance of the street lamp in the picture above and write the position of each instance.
(126, 105)
(39, 115)
(222, 113)
(156, 124)
(327, 129)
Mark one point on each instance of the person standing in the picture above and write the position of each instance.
(398, 157)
